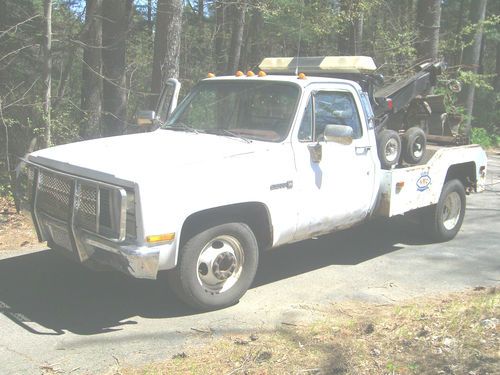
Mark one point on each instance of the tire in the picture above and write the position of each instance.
(414, 145)
(443, 220)
(389, 148)
(216, 267)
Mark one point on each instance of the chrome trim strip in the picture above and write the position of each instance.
(73, 203)
(123, 215)
(98, 210)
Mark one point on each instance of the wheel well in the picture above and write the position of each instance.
(254, 214)
(465, 172)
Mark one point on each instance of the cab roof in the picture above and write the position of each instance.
(286, 78)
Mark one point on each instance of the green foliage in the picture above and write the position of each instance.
(479, 81)
(389, 34)
(482, 137)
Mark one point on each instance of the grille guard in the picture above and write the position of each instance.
(73, 202)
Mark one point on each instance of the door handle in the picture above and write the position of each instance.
(363, 149)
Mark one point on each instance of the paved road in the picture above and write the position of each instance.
(57, 313)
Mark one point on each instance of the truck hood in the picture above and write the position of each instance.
(128, 157)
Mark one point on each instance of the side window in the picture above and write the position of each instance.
(335, 108)
(305, 130)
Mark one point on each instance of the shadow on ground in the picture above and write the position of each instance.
(48, 295)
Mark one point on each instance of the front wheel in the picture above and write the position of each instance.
(443, 220)
(216, 267)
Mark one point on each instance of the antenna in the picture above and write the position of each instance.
(300, 38)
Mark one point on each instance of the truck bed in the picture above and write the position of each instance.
(411, 187)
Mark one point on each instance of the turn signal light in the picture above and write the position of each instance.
(399, 186)
(160, 237)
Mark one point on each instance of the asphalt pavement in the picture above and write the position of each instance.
(56, 314)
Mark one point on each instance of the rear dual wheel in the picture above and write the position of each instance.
(443, 220)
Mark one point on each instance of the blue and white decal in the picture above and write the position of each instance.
(423, 182)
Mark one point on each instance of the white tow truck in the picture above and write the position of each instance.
(243, 164)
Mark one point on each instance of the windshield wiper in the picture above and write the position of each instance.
(181, 126)
(229, 133)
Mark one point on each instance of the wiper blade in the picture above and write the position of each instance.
(229, 133)
(182, 126)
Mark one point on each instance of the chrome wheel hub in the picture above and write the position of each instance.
(391, 150)
(224, 265)
(418, 148)
(451, 210)
(220, 264)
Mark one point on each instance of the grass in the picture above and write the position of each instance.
(453, 335)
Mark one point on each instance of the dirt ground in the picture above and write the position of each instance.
(16, 230)
(449, 334)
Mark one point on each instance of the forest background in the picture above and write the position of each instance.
(80, 69)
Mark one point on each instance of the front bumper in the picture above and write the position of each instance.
(84, 246)
(138, 261)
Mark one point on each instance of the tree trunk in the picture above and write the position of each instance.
(357, 43)
(92, 71)
(471, 59)
(219, 37)
(457, 58)
(351, 36)
(428, 22)
(116, 17)
(167, 45)
(343, 37)
(47, 68)
(201, 10)
(256, 52)
(497, 70)
(236, 37)
(150, 16)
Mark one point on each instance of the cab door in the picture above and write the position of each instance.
(336, 191)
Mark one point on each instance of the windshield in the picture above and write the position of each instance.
(250, 110)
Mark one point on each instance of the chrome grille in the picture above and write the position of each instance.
(53, 195)
(87, 207)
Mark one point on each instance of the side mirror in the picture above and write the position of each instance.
(145, 118)
(339, 133)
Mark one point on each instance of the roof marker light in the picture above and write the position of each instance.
(210, 75)
(250, 73)
(262, 73)
(239, 73)
(301, 76)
